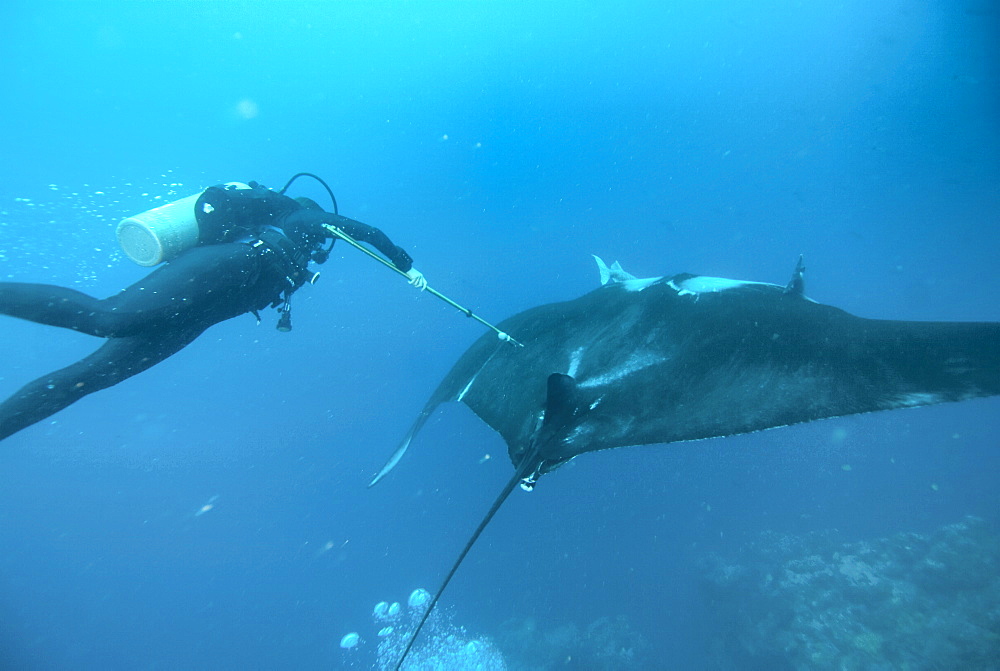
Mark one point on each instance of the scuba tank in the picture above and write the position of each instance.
(217, 215)
(161, 234)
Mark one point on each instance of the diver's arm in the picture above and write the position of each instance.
(305, 225)
(374, 237)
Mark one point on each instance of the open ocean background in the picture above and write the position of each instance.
(500, 143)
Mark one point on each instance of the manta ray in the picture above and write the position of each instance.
(688, 357)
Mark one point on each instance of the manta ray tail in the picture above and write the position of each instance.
(508, 488)
(559, 409)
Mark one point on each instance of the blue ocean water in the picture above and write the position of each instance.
(212, 512)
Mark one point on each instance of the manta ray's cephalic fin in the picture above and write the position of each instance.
(797, 285)
(562, 408)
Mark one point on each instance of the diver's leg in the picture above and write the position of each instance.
(116, 360)
(203, 286)
(55, 306)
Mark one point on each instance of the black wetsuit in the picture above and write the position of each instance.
(265, 242)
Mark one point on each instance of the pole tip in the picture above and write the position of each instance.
(506, 338)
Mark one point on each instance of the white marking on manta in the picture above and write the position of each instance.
(574, 361)
(635, 363)
(464, 391)
(912, 400)
(578, 432)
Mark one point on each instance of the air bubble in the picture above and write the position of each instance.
(419, 598)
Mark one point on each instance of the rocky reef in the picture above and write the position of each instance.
(908, 601)
(606, 644)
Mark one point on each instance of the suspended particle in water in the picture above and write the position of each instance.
(207, 507)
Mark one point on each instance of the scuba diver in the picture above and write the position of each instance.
(232, 249)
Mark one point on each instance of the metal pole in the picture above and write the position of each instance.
(468, 313)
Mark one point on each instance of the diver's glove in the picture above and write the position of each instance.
(416, 278)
